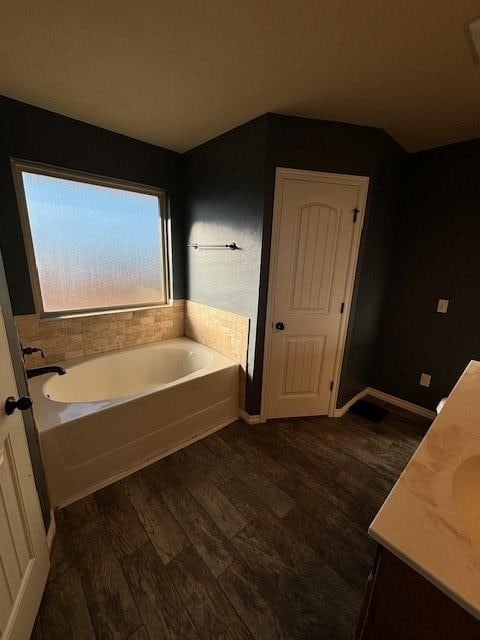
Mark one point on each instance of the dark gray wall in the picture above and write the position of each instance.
(436, 256)
(30, 429)
(29, 133)
(230, 183)
(225, 188)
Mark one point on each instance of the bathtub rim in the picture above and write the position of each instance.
(48, 412)
(75, 363)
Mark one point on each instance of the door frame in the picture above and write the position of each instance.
(281, 174)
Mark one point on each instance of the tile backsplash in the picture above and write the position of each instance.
(75, 337)
(221, 330)
(63, 339)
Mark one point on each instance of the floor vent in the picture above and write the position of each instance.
(368, 410)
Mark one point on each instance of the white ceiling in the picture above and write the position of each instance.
(177, 73)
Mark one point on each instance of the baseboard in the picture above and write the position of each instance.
(386, 397)
(341, 411)
(52, 529)
(403, 404)
(249, 419)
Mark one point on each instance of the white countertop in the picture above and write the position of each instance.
(431, 518)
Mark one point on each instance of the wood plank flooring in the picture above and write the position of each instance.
(256, 532)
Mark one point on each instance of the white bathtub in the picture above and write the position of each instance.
(115, 413)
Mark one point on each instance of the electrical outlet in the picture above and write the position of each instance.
(442, 306)
(425, 380)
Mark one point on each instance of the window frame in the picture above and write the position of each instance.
(19, 166)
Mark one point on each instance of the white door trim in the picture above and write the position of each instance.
(52, 530)
(338, 178)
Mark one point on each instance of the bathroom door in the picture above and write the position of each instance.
(24, 558)
(315, 239)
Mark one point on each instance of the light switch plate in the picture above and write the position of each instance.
(442, 306)
(425, 380)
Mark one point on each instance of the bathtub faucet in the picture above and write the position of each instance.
(39, 371)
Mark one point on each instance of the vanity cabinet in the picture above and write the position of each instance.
(400, 604)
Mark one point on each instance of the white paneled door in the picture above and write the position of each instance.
(24, 558)
(316, 233)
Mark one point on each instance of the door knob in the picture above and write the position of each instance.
(279, 326)
(23, 403)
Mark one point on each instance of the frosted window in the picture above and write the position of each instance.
(95, 247)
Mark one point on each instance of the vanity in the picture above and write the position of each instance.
(425, 583)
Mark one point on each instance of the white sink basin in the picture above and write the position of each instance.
(466, 495)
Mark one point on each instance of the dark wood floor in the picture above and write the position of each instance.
(254, 532)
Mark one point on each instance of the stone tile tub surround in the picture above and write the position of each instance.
(79, 336)
(221, 330)
(421, 521)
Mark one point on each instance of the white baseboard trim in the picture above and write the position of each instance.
(403, 404)
(249, 419)
(52, 529)
(386, 397)
(341, 411)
